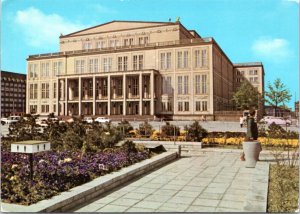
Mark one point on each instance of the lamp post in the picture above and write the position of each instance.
(30, 147)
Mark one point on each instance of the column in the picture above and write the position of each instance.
(141, 94)
(57, 97)
(79, 96)
(94, 95)
(124, 94)
(152, 93)
(108, 94)
(66, 97)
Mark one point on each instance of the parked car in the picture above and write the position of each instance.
(41, 122)
(277, 120)
(10, 120)
(88, 120)
(102, 120)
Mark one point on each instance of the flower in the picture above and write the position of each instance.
(66, 160)
(12, 178)
(14, 166)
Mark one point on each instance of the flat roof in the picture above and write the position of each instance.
(248, 64)
(30, 142)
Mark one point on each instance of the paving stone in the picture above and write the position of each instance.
(174, 207)
(206, 202)
(190, 194)
(165, 192)
(222, 209)
(172, 187)
(215, 190)
(138, 209)
(158, 198)
(231, 204)
(231, 190)
(148, 204)
(200, 209)
(197, 189)
(134, 195)
(105, 200)
(181, 200)
(125, 202)
(234, 197)
(144, 190)
(216, 196)
(218, 185)
(112, 208)
(153, 185)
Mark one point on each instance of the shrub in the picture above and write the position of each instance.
(170, 130)
(196, 132)
(145, 129)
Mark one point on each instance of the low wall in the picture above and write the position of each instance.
(86, 192)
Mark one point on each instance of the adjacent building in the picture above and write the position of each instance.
(135, 68)
(13, 93)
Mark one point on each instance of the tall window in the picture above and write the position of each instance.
(107, 64)
(180, 106)
(57, 68)
(31, 91)
(35, 91)
(135, 84)
(119, 87)
(143, 40)
(201, 105)
(122, 63)
(179, 60)
(198, 105)
(128, 41)
(79, 66)
(179, 85)
(45, 90)
(197, 58)
(201, 84)
(165, 60)
(204, 105)
(186, 106)
(182, 59)
(45, 108)
(114, 43)
(186, 85)
(138, 62)
(45, 69)
(203, 58)
(185, 59)
(93, 65)
(54, 90)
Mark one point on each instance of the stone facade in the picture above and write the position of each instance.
(133, 68)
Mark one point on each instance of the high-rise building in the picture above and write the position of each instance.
(135, 68)
(13, 93)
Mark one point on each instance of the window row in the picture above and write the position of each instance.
(33, 91)
(201, 84)
(112, 43)
(199, 106)
(93, 65)
(45, 69)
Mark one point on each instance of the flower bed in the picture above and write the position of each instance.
(239, 140)
(55, 172)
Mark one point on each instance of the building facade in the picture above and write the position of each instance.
(13, 93)
(133, 68)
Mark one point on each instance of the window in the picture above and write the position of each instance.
(45, 90)
(167, 106)
(54, 108)
(45, 108)
(45, 70)
(107, 64)
(114, 43)
(165, 60)
(79, 66)
(101, 44)
(104, 87)
(138, 62)
(31, 91)
(128, 41)
(57, 68)
(33, 70)
(35, 91)
(87, 45)
(33, 108)
(204, 105)
(93, 65)
(180, 106)
(182, 59)
(197, 84)
(201, 84)
(122, 63)
(119, 87)
(198, 105)
(186, 106)
(179, 60)
(143, 40)
(203, 58)
(185, 59)
(179, 85)
(186, 85)
(204, 84)
(197, 58)
(54, 90)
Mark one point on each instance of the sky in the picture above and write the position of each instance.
(264, 31)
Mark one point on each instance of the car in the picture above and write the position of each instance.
(277, 120)
(10, 120)
(42, 122)
(102, 120)
(88, 120)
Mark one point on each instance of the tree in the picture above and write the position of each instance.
(247, 96)
(277, 94)
(170, 130)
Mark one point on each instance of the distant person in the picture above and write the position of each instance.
(252, 130)
(241, 121)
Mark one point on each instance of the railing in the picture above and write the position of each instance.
(129, 47)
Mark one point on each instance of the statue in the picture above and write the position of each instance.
(252, 130)
(178, 19)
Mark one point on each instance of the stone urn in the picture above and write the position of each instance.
(251, 151)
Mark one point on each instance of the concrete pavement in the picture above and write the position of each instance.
(213, 181)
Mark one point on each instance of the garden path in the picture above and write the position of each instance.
(211, 181)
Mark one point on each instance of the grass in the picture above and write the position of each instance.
(283, 188)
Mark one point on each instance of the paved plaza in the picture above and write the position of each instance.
(212, 181)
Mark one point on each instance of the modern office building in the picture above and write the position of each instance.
(13, 93)
(121, 68)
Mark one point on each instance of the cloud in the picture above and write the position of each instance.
(296, 1)
(271, 49)
(102, 9)
(43, 30)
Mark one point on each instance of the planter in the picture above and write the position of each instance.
(251, 151)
